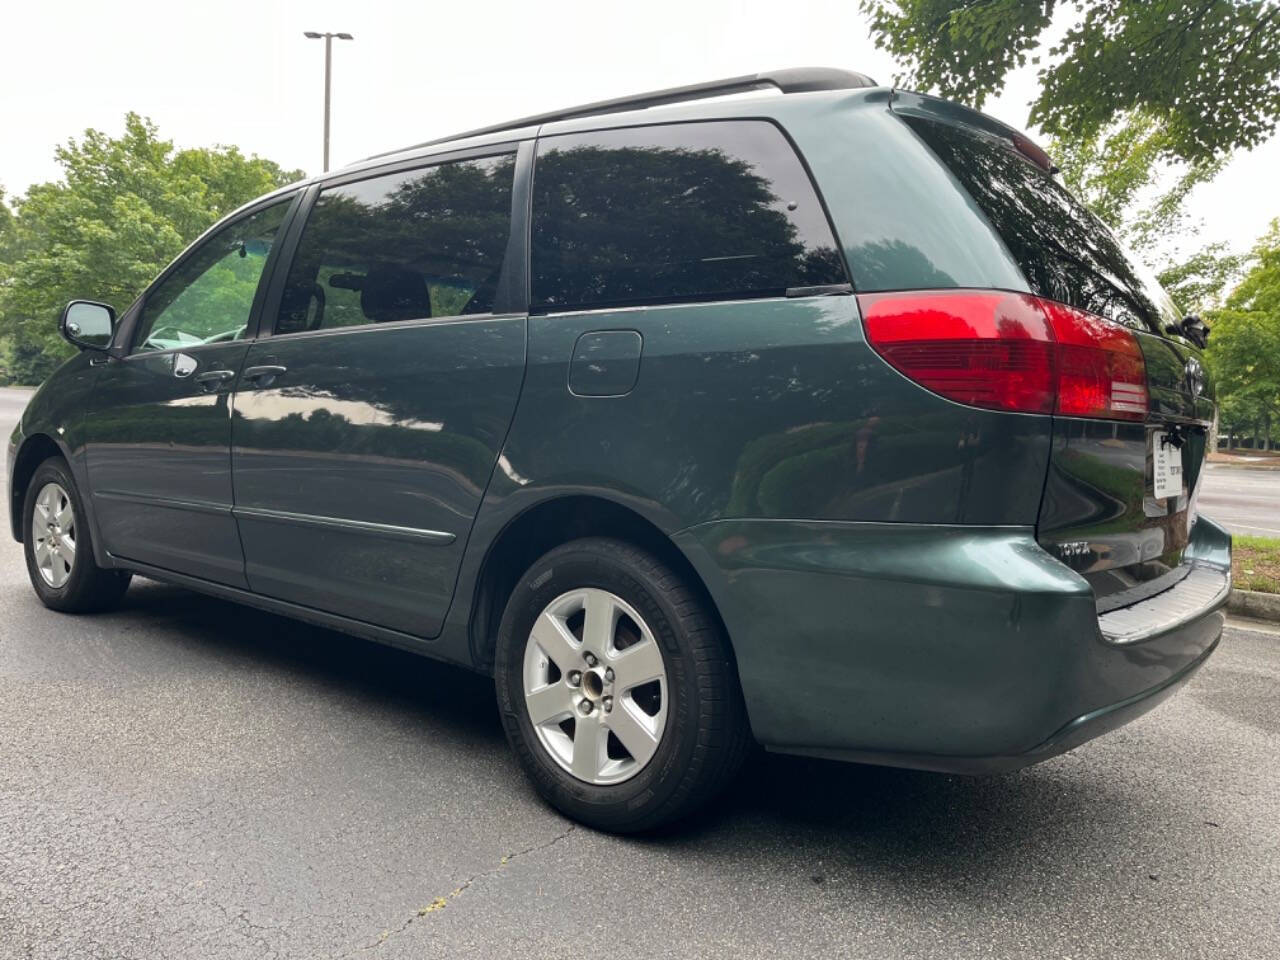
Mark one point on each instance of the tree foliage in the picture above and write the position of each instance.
(8, 231)
(1244, 350)
(1189, 64)
(1122, 174)
(1198, 282)
(124, 208)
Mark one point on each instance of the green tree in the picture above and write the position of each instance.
(1197, 282)
(1244, 350)
(125, 207)
(8, 231)
(1207, 71)
(1123, 175)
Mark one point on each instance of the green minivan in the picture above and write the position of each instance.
(820, 417)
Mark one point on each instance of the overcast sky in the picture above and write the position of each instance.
(242, 73)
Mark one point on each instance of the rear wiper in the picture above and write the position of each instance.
(1191, 327)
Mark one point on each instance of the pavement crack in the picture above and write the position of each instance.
(508, 859)
(439, 903)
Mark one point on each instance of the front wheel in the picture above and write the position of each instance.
(59, 548)
(616, 687)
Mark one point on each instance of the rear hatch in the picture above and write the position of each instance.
(1119, 499)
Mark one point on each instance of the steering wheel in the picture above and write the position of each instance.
(154, 334)
(226, 336)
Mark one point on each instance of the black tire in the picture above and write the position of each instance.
(706, 733)
(88, 588)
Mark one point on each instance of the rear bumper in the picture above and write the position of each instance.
(959, 649)
(1075, 732)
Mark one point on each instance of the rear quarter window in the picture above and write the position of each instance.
(672, 213)
(1064, 251)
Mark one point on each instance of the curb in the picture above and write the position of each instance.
(1252, 603)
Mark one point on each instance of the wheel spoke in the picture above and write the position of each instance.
(69, 547)
(64, 516)
(634, 733)
(550, 633)
(590, 737)
(548, 703)
(601, 620)
(639, 663)
(42, 553)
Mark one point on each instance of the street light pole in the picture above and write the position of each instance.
(328, 72)
(328, 84)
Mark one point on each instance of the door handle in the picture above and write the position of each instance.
(211, 379)
(263, 376)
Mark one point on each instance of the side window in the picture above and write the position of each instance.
(690, 211)
(406, 246)
(207, 299)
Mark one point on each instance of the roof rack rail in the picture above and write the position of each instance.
(796, 80)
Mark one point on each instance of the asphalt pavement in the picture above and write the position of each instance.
(187, 778)
(1243, 499)
(13, 400)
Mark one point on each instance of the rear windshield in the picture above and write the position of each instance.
(1066, 253)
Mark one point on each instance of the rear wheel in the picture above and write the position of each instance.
(59, 547)
(617, 690)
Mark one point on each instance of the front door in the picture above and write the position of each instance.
(367, 424)
(158, 431)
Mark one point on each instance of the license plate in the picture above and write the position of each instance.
(1166, 466)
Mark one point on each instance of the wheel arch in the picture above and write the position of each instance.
(548, 524)
(35, 450)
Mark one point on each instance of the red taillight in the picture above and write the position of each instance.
(1009, 351)
(986, 349)
(1101, 371)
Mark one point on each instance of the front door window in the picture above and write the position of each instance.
(208, 298)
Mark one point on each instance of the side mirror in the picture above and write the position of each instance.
(87, 325)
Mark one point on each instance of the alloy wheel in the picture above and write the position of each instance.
(595, 686)
(53, 532)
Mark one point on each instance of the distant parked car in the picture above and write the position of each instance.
(827, 420)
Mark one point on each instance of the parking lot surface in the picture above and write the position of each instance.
(186, 778)
(1243, 499)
